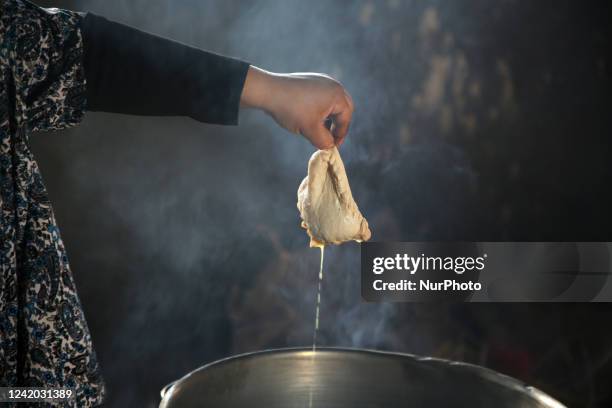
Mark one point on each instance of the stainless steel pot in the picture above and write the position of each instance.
(347, 378)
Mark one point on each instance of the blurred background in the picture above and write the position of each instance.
(475, 120)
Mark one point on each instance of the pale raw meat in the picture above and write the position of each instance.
(329, 213)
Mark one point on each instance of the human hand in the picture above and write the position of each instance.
(312, 105)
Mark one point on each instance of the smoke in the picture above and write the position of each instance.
(185, 240)
(187, 243)
(347, 320)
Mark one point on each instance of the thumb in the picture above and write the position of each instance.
(319, 136)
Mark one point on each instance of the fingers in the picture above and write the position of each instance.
(319, 136)
(342, 119)
(341, 114)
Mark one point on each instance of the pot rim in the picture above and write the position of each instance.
(491, 374)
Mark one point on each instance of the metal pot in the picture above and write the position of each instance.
(347, 378)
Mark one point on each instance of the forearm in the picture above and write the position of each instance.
(133, 72)
(129, 71)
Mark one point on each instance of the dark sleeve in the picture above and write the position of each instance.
(133, 72)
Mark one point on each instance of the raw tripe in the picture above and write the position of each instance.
(328, 211)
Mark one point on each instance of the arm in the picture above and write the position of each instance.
(133, 72)
(129, 71)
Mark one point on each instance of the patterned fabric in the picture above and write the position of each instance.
(44, 339)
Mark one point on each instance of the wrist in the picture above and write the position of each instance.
(258, 89)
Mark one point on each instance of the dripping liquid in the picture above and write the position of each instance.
(318, 304)
(317, 312)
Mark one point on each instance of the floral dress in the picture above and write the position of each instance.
(44, 339)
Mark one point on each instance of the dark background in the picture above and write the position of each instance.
(475, 120)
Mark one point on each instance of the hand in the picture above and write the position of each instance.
(302, 103)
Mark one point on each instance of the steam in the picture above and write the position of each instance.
(201, 233)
